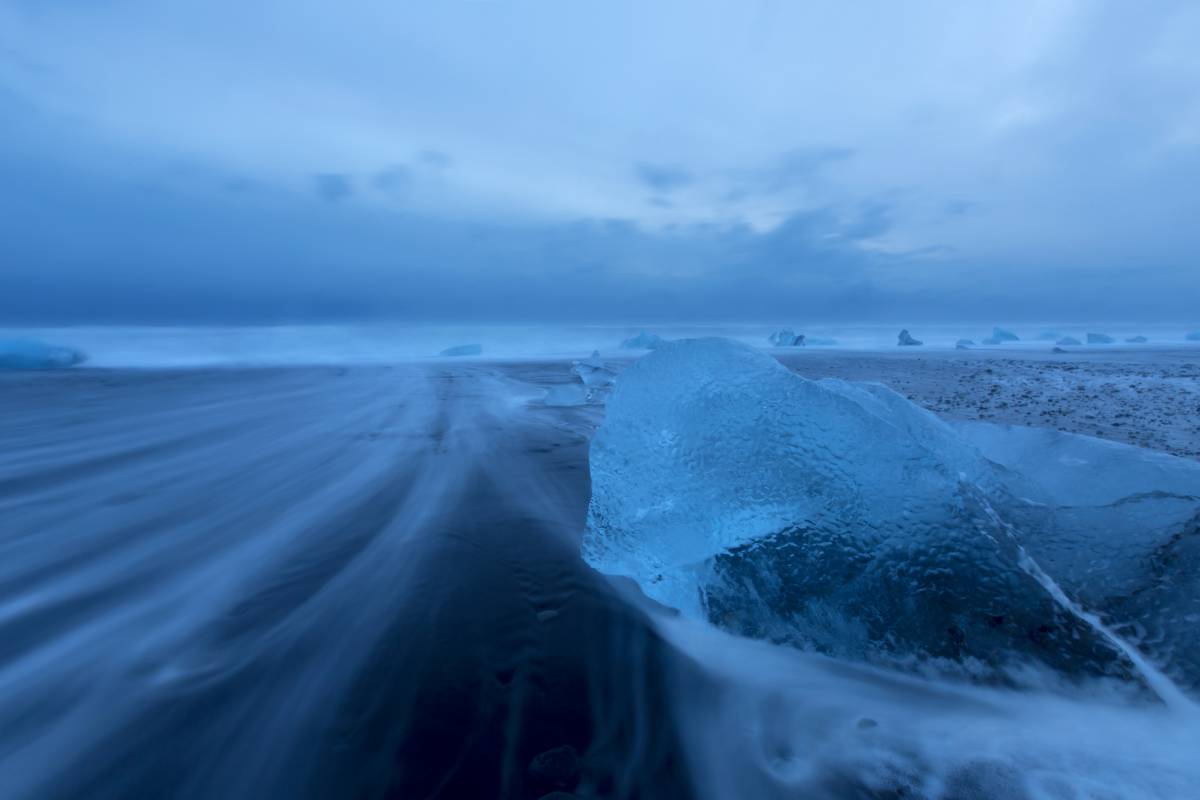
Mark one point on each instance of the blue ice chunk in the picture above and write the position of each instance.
(592, 371)
(844, 517)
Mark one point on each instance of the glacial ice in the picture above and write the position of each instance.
(1099, 338)
(964, 343)
(1117, 526)
(643, 341)
(1001, 335)
(30, 354)
(592, 371)
(463, 350)
(1068, 341)
(1136, 340)
(905, 339)
(843, 517)
(786, 338)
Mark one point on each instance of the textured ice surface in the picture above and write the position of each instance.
(32, 354)
(463, 350)
(1118, 527)
(843, 517)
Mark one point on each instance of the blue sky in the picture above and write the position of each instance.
(536, 160)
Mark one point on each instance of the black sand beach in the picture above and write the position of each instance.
(365, 581)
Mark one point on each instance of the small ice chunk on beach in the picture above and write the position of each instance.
(32, 354)
(567, 394)
(1068, 341)
(1099, 338)
(463, 350)
(906, 339)
(592, 371)
(786, 338)
(643, 341)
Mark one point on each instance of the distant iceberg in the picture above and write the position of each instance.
(844, 518)
(1001, 335)
(786, 338)
(30, 354)
(463, 350)
(1194, 336)
(964, 343)
(906, 340)
(1099, 338)
(1069, 341)
(1137, 340)
(643, 341)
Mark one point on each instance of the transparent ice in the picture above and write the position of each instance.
(844, 518)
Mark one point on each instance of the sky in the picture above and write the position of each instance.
(535, 160)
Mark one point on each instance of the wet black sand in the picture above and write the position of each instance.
(413, 619)
(363, 582)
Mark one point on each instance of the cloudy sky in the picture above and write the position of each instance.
(281, 160)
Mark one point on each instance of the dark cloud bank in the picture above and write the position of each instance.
(91, 235)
